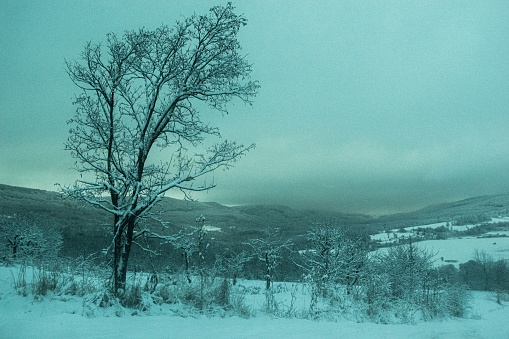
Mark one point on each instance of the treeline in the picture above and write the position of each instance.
(471, 219)
(486, 230)
(484, 273)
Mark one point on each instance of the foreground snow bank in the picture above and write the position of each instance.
(65, 317)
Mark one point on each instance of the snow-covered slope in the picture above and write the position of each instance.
(66, 317)
(458, 251)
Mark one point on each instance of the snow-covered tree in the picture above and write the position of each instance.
(332, 259)
(407, 267)
(142, 93)
(403, 280)
(235, 264)
(486, 263)
(24, 241)
(269, 250)
(322, 258)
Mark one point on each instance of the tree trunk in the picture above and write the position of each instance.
(123, 244)
(14, 243)
(186, 265)
(119, 267)
(268, 276)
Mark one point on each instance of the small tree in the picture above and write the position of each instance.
(404, 280)
(235, 264)
(472, 274)
(486, 263)
(407, 266)
(188, 244)
(193, 246)
(142, 92)
(269, 250)
(501, 278)
(321, 260)
(24, 241)
(332, 259)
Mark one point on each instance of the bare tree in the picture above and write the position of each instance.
(24, 241)
(500, 270)
(143, 92)
(321, 261)
(269, 250)
(486, 263)
(333, 259)
(235, 264)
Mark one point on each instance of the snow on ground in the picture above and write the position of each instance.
(393, 235)
(210, 228)
(498, 233)
(461, 250)
(76, 317)
(499, 219)
(65, 317)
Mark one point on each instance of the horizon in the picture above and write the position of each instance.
(296, 208)
(366, 107)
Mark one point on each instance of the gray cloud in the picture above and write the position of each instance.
(364, 106)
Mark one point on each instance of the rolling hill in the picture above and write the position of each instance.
(87, 229)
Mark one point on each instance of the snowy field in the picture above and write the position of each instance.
(460, 250)
(392, 235)
(63, 316)
(456, 251)
(66, 317)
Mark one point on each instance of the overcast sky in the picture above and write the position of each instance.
(365, 106)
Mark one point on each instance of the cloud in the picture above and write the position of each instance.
(364, 106)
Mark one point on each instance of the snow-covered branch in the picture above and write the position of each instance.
(141, 94)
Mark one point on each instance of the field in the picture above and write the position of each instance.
(64, 317)
(456, 250)
(60, 316)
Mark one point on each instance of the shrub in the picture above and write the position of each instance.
(45, 281)
(456, 300)
(239, 306)
(223, 294)
(25, 242)
(133, 294)
(20, 281)
(403, 282)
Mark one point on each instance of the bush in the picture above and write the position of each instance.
(45, 281)
(133, 294)
(84, 276)
(24, 242)
(20, 283)
(456, 300)
(223, 294)
(403, 282)
(239, 307)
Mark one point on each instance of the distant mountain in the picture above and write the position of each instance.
(85, 228)
(82, 227)
(487, 205)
